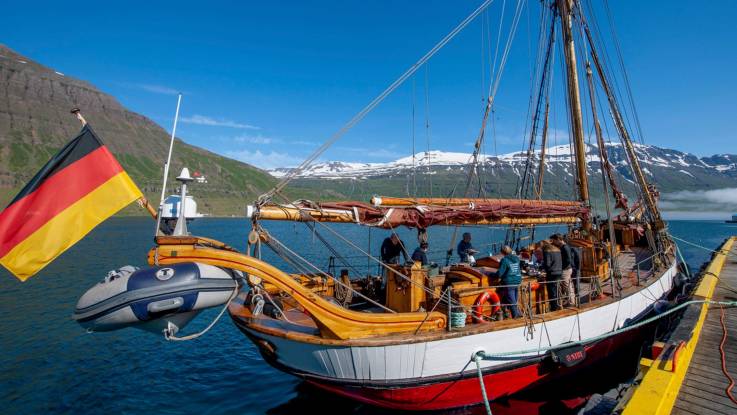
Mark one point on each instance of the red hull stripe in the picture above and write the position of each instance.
(464, 392)
(54, 194)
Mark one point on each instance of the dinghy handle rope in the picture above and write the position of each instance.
(170, 335)
(503, 355)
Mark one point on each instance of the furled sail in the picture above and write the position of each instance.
(431, 213)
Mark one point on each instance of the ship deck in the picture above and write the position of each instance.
(687, 377)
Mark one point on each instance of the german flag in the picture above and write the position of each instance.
(75, 191)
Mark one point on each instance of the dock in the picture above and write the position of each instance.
(686, 377)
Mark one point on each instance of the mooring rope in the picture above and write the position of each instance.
(523, 353)
(482, 355)
(477, 359)
(719, 251)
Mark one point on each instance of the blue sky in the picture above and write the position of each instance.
(266, 82)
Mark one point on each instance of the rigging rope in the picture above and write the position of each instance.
(623, 68)
(524, 182)
(321, 272)
(493, 88)
(643, 186)
(428, 177)
(368, 108)
(414, 151)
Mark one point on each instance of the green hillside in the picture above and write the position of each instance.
(35, 122)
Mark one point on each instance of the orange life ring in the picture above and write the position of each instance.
(489, 296)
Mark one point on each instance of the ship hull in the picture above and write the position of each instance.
(531, 385)
(439, 374)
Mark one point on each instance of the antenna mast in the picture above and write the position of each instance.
(166, 165)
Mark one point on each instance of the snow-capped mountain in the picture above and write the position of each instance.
(445, 173)
(558, 160)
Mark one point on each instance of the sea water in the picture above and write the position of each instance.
(49, 364)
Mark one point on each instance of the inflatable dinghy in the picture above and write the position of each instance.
(154, 299)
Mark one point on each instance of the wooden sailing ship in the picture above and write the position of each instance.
(390, 340)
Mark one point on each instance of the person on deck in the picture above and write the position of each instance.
(552, 264)
(420, 254)
(465, 248)
(537, 254)
(511, 277)
(391, 249)
(576, 265)
(566, 283)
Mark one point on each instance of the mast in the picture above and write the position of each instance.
(565, 8)
(543, 146)
(647, 196)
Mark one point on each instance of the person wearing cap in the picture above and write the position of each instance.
(511, 277)
(465, 248)
(420, 254)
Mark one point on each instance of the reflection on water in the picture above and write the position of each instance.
(49, 364)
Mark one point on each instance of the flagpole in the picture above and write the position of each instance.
(166, 166)
(142, 202)
(78, 113)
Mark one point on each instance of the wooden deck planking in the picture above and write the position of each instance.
(703, 389)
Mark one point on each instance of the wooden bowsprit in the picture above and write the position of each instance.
(334, 321)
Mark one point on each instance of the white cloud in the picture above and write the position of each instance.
(376, 153)
(265, 160)
(255, 139)
(158, 89)
(304, 143)
(717, 200)
(212, 122)
(383, 153)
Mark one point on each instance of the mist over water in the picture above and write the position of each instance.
(715, 204)
(50, 364)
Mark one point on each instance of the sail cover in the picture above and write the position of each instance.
(487, 211)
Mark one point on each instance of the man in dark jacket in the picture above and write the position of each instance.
(420, 254)
(391, 249)
(566, 283)
(511, 278)
(465, 248)
(576, 265)
(552, 264)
